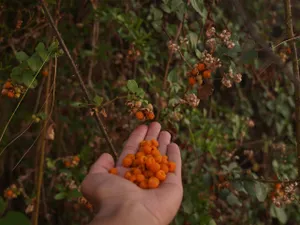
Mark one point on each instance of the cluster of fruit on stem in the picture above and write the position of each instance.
(12, 192)
(71, 162)
(141, 112)
(148, 168)
(12, 90)
(197, 74)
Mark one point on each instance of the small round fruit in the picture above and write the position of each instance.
(4, 92)
(153, 182)
(161, 175)
(45, 73)
(10, 94)
(127, 161)
(172, 166)
(140, 177)
(140, 115)
(7, 85)
(207, 74)
(150, 116)
(201, 66)
(144, 184)
(113, 171)
(194, 71)
(192, 81)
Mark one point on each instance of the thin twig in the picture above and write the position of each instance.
(287, 40)
(84, 89)
(290, 31)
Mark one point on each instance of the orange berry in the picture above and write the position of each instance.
(153, 182)
(7, 85)
(145, 143)
(148, 173)
(127, 162)
(139, 115)
(140, 177)
(201, 67)
(140, 160)
(155, 143)
(113, 171)
(155, 167)
(67, 164)
(194, 71)
(139, 154)
(150, 161)
(10, 94)
(132, 178)
(45, 73)
(127, 175)
(76, 158)
(158, 158)
(132, 156)
(192, 81)
(164, 159)
(144, 184)
(207, 74)
(136, 171)
(9, 193)
(164, 167)
(277, 186)
(147, 149)
(150, 115)
(161, 175)
(172, 166)
(155, 152)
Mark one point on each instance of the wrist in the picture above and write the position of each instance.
(126, 214)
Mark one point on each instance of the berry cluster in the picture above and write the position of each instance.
(71, 162)
(197, 74)
(12, 91)
(229, 78)
(12, 192)
(148, 168)
(140, 112)
(283, 194)
(83, 201)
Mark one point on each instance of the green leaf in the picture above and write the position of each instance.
(165, 8)
(13, 218)
(77, 104)
(53, 47)
(74, 194)
(233, 200)
(157, 13)
(172, 76)
(193, 39)
(132, 86)
(175, 4)
(250, 188)
(140, 92)
(98, 100)
(27, 78)
(279, 213)
(261, 191)
(41, 51)
(16, 74)
(187, 206)
(35, 63)
(60, 196)
(21, 56)
(198, 5)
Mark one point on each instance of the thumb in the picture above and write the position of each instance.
(103, 164)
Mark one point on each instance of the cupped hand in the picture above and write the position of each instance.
(119, 201)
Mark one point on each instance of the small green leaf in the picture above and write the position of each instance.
(53, 47)
(41, 51)
(132, 86)
(27, 78)
(13, 218)
(261, 191)
(198, 5)
(74, 194)
(193, 39)
(21, 56)
(98, 100)
(140, 92)
(172, 76)
(279, 213)
(3, 205)
(175, 4)
(16, 74)
(233, 200)
(77, 104)
(60, 196)
(250, 188)
(187, 206)
(165, 8)
(35, 63)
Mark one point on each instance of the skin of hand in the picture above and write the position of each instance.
(118, 201)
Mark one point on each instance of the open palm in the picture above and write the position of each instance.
(110, 193)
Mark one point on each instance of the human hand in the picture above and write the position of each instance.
(119, 201)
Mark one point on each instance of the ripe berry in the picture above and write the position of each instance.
(149, 162)
(140, 160)
(164, 159)
(172, 166)
(150, 116)
(140, 115)
(132, 156)
(7, 85)
(9, 193)
(277, 186)
(194, 71)
(127, 175)
(140, 177)
(164, 167)
(45, 73)
(192, 81)
(10, 94)
(4, 92)
(67, 164)
(201, 67)
(147, 149)
(144, 184)
(153, 182)
(139, 154)
(155, 152)
(207, 74)
(136, 171)
(155, 167)
(127, 161)
(76, 158)
(161, 175)
(158, 158)
(132, 178)
(113, 171)
(155, 143)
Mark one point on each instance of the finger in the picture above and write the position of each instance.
(163, 140)
(103, 164)
(174, 155)
(133, 142)
(153, 131)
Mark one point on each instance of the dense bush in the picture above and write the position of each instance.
(217, 74)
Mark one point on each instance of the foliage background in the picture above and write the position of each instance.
(113, 42)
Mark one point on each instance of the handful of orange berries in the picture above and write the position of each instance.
(148, 168)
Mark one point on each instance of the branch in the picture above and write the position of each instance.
(290, 31)
(83, 87)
